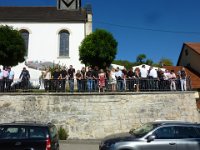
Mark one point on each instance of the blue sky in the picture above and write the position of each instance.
(157, 28)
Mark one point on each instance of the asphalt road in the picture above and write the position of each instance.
(77, 145)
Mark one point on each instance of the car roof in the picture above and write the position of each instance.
(173, 122)
(28, 123)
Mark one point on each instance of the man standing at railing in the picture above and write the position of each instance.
(71, 72)
(90, 77)
(144, 74)
(120, 79)
(153, 78)
(55, 83)
(10, 78)
(64, 75)
(25, 77)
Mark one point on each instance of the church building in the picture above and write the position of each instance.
(51, 33)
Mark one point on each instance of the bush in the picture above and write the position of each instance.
(62, 133)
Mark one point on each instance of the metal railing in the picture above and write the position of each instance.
(84, 85)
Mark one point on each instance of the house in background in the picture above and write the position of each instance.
(190, 56)
(190, 59)
(51, 33)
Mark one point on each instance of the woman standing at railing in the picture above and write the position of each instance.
(113, 80)
(172, 79)
(102, 78)
(183, 76)
(137, 77)
(130, 79)
(47, 78)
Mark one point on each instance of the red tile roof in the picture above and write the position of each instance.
(194, 46)
(195, 77)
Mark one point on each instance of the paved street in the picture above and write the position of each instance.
(78, 145)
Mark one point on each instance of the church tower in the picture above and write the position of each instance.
(68, 4)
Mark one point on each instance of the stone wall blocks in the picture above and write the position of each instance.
(94, 116)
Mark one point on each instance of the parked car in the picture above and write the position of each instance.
(158, 135)
(28, 136)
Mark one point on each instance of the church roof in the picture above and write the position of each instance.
(41, 14)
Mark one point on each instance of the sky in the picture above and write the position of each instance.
(156, 28)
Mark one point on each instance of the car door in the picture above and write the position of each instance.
(163, 140)
(187, 138)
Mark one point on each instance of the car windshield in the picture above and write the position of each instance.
(143, 130)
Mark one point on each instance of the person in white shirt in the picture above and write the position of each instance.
(144, 74)
(166, 82)
(120, 79)
(153, 73)
(153, 79)
(113, 80)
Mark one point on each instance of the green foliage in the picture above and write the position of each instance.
(98, 49)
(165, 62)
(141, 59)
(149, 62)
(12, 47)
(62, 134)
(124, 63)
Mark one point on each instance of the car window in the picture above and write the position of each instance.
(12, 132)
(164, 133)
(37, 132)
(198, 130)
(185, 132)
(143, 130)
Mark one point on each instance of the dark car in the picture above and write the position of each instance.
(158, 135)
(28, 136)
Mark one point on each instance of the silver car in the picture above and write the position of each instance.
(159, 135)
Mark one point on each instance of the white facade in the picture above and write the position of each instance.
(44, 41)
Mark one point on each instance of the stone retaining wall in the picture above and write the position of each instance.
(93, 116)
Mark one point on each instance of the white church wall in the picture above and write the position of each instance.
(44, 41)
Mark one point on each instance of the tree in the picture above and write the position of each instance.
(12, 47)
(165, 62)
(98, 49)
(149, 62)
(141, 59)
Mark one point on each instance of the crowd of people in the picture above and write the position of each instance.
(90, 79)
(94, 79)
(7, 78)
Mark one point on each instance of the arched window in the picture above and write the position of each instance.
(64, 43)
(25, 36)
